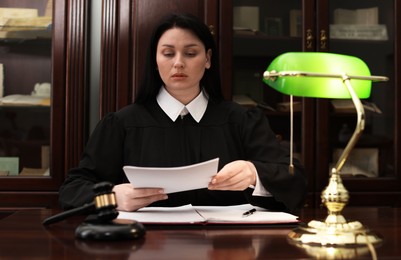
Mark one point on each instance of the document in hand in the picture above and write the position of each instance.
(189, 214)
(173, 179)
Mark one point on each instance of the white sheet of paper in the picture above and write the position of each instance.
(173, 179)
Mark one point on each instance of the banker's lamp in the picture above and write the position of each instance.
(327, 75)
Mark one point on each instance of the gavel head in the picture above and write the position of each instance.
(105, 201)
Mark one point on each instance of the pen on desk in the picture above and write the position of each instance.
(248, 213)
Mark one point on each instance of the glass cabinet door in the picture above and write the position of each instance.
(366, 29)
(25, 87)
(262, 30)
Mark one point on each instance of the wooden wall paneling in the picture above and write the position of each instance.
(397, 82)
(225, 39)
(116, 65)
(308, 108)
(124, 54)
(108, 59)
(57, 143)
(76, 94)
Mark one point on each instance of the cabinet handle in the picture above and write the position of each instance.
(309, 39)
(211, 29)
(323, 40)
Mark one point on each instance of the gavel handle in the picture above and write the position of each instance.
(65, 214)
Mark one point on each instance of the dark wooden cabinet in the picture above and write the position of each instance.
(59, 59)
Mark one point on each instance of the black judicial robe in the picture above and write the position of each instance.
(143, 135)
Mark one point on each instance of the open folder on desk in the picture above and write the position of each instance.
(190, 214)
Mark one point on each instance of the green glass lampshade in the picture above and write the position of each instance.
(326, 86)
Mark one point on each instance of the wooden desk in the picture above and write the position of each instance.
(22, 236)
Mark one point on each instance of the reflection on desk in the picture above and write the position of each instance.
(22, 236)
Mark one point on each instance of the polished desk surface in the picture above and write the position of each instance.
(22, 236)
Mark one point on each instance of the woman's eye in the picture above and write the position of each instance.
(168, 54)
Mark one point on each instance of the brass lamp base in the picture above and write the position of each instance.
(335, 237)
(343, 234)
(324, 240)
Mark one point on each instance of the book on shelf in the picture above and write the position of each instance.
(49, 8)
(375, 32)
(24, 23)
(45, 156)
(295, 23)
(347, 106)
(286, 106)
(9, 12)
(246, 17)
(27, 28)
(362, 162)
(266, 106)
(244, 100)
(358, 24)
(357, 16)
(9, 165)
(30, 23)
(24, 100)
(34, 172)
(1, 80)
(273, 26)
(244, 31)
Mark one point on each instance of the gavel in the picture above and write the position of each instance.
(103, 225)
(104, 204)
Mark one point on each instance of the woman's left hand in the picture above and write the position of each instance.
(236, 175)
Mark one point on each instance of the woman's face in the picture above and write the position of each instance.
(181, 60)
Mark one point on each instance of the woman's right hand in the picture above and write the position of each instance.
(131, 199)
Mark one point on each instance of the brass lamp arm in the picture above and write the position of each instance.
(274, 74)
(360, 126)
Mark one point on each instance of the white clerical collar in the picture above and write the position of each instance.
(174, 108)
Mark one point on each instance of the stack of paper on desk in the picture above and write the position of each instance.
(189, 214)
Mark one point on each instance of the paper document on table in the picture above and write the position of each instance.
(189, 214)
(159, 215)
(173, 179)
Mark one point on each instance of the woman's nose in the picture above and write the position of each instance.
(178, 63)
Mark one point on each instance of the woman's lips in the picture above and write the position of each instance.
(179, 76)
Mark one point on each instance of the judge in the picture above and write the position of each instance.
(180, 118)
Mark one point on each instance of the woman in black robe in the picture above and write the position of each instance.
(180, 118)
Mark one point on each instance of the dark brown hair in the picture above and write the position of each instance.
(152, 82)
